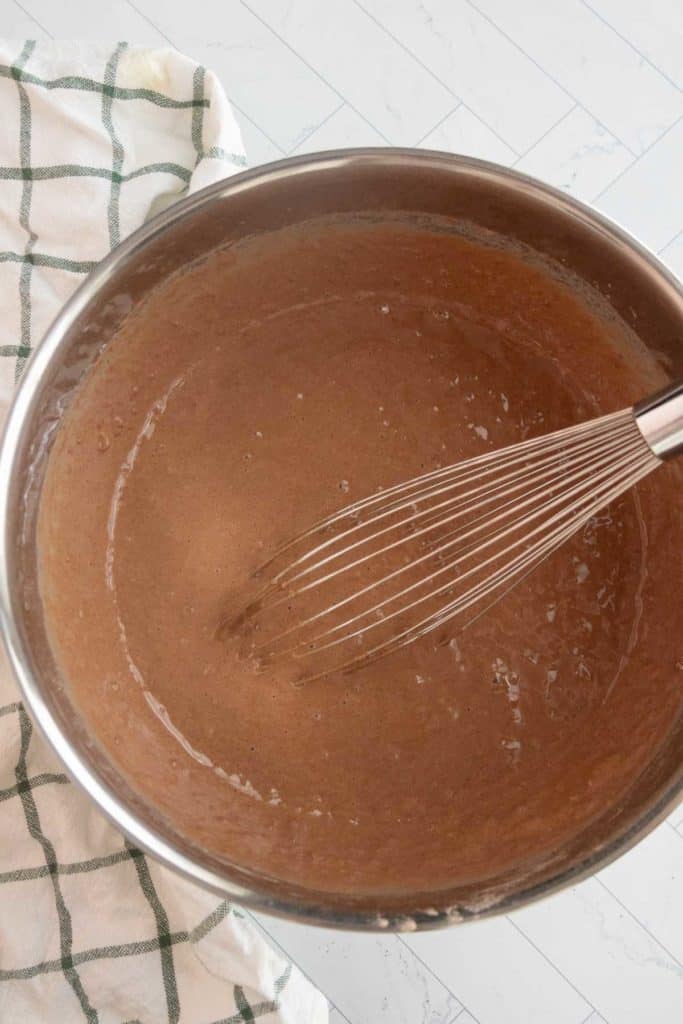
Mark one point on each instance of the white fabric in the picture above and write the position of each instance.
(88, 930)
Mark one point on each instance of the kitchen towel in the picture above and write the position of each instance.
(93, 141)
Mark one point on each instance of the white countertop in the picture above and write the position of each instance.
(587, 96)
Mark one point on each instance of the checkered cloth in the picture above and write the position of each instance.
(92, 142)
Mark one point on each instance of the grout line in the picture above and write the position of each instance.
(230, 99)
(638, 921)
(548, 75)
(553, 965)
(630, 45)
(33, 18)
(435, 77)
(438, 123)
(311, 68)
(413, 56)
(591, 1014)
(260, 927)
(639, 157)
(149, 22)
(258, 127)
(312, 132)
(670, 242)
(465, 1009)
(330, 1004)
(405, 49)
(545, 134)
(589, 113)
(397, 935)
(461, 1013)
(487, 125)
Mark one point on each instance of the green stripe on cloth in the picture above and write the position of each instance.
(12, 351)
(96, 953)
(78, 867)
(39, 259)
(123, 949)
(214, 918)
(64, 918)
(7, 709)
(91, 85)
(214, 152)
(32, 783)
(81, 171)
(247, 1012)
(25, 210)
(117, 148)
(198, 79)
(218, 153)
(283, 979)
(165, 945)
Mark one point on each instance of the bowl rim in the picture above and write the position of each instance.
(25, 396)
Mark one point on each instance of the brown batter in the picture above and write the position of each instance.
(259, 391)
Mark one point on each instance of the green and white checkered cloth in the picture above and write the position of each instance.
(92, 141)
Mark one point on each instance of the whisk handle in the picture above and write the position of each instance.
(660, 419)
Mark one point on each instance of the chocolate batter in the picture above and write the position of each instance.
(254, 394)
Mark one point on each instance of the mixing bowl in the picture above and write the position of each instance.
(638, 288)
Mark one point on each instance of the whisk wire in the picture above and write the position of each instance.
(435, 546)
(554, 439)
(529, 561)
(455, 479)
(480, 547)
(496, 492)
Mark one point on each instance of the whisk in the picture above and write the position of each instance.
(396, 565)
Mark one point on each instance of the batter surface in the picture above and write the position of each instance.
(259, 391)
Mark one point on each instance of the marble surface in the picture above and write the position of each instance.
(586, 95)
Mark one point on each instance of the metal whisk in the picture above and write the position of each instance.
(388, 569)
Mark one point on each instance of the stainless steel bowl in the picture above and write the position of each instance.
(637, 286)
